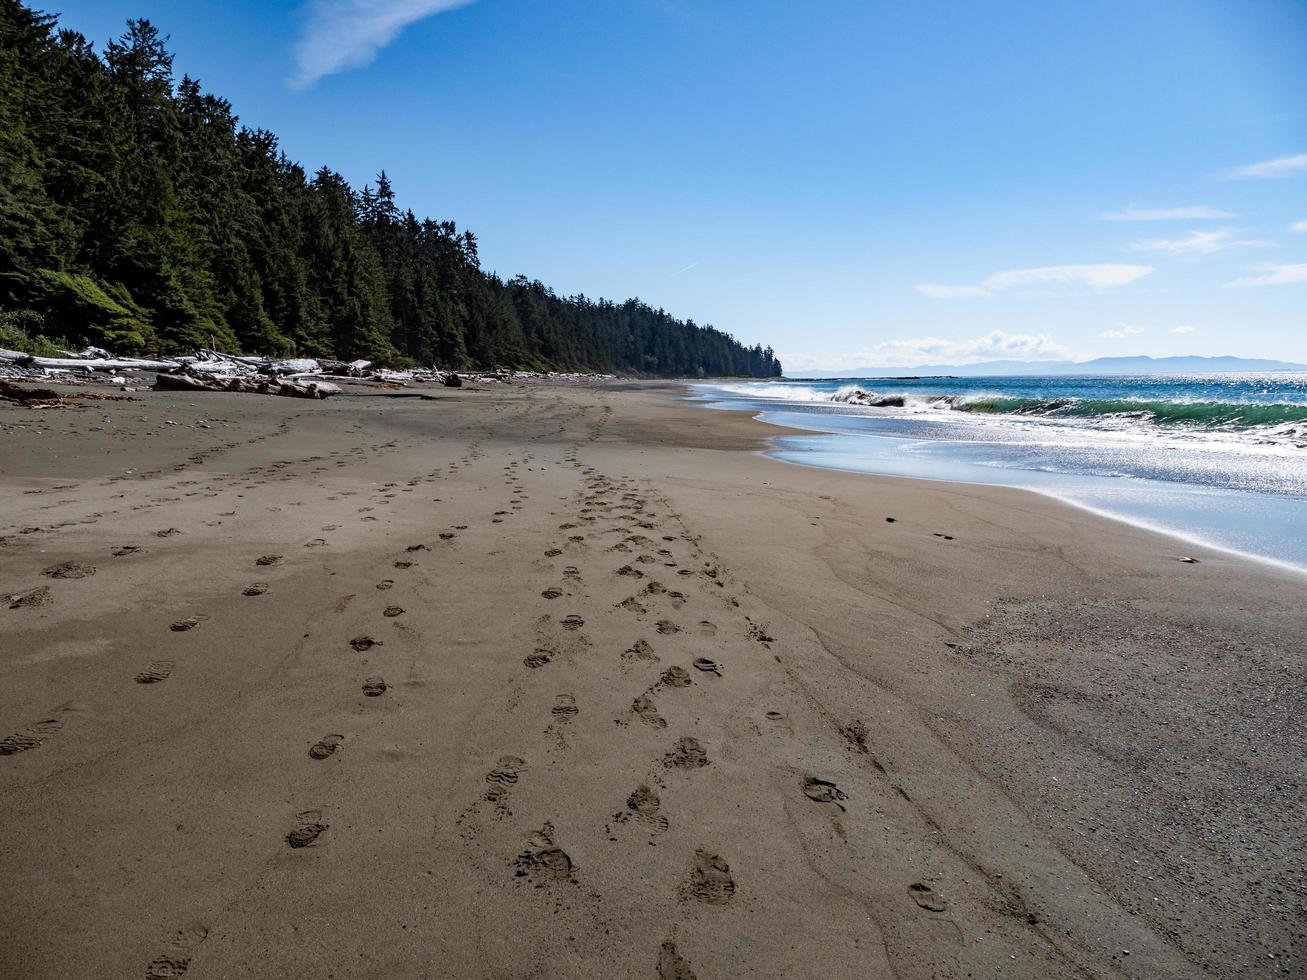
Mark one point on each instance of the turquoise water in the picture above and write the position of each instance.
(1219, 460)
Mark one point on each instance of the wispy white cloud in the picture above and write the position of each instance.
(924, 351)
(685, 269)
(1121, 332)
(1197, 212)
(1280, 167)
(341, 34)
(1199, 242)
(1274, 274)
(1184, 328)
(1058, 277)
(1298, 226)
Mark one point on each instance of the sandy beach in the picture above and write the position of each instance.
(569, 680)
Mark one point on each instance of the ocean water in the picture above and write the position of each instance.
(1219, 460)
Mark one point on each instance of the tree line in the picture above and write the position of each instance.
(138, 214)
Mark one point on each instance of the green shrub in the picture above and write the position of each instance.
(81, 308)
(24, 330)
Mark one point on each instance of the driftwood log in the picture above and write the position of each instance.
(261, 386)
(85, 363)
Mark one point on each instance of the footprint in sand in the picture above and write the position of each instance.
(707, 629)
(710, 880)
(30, 737)
(364, 643)
(374, 687)
(69, 569)
(390, 612)
(385, 584)
(309, 829)
(673, 966)
(823, 791)
(255, 588)
(688, 754)
(927, 897)
(122, 551)
(543, 862)
(268, 560)
(325, 746)
(189, 623)
(642, 806)
(39, 596)
(640, 650)
(647, 711)
(667, 627)
(572, 622)
(175, 960)
(708, 666)
(675, 677)
(159, 670)
(552, 593)
(538, 659)
(500, 780)
(565, 707)
(632, 605)
(553, 552)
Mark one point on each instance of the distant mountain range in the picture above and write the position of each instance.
(1097, 367)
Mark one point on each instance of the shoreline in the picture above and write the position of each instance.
(1067, 496)
(1138, 523)
(995, 734)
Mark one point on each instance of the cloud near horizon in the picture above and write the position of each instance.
(343, 34)
(1280, 167)
(925, 351)
(1274, 274)
(1197, 212)
(1101, 276)
(1125, 330)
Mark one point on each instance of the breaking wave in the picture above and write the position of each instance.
(1276, 422)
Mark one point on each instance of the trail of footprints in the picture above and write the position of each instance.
(667, 574)
(671, 589)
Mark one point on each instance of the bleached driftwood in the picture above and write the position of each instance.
(266, 386)
(86, 364)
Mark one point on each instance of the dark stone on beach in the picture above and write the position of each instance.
(453, 381)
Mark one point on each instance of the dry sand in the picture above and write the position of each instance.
(385, 687)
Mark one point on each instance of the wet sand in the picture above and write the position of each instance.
(570, 681)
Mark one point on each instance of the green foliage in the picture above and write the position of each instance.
(78, 306)
(24, 330)
(138, 215)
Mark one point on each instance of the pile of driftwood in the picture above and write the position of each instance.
(211, 370)
(256, 386)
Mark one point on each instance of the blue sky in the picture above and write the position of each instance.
(854, 183)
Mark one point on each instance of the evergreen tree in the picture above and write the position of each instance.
(137, 213)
